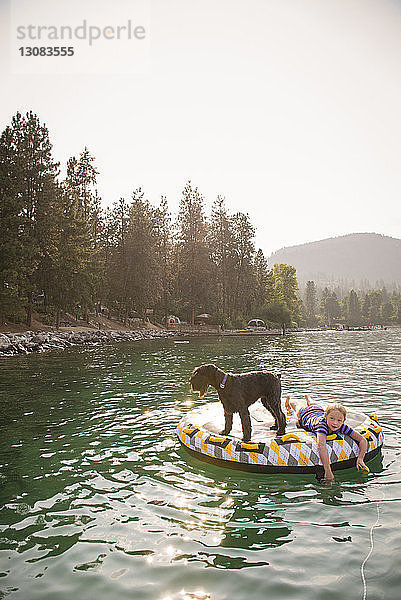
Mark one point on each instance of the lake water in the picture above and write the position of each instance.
(99, 501)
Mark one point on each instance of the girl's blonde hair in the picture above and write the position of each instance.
(335, 406)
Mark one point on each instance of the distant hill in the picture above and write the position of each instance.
(360, 260)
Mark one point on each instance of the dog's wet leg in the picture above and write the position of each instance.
(279, 417)
(228, 423)
(267, 405)
(282, 423)
(246, 425)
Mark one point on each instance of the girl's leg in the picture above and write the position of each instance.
(295, 405)
(289, 405)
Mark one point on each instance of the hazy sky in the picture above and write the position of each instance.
(288, 108)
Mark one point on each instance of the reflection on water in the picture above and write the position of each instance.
(98, 498)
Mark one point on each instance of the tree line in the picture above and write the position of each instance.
(62, 252)
(355, 308)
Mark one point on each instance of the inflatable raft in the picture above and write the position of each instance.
(294, 452)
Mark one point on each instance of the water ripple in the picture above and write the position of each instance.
(97, 497)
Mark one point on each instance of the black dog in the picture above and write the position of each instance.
(238, 392)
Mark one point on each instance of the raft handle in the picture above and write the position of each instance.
(290, 436)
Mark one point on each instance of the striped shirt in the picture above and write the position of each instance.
(312, 419)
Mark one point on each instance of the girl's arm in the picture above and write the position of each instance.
(324, 456)
(363, 446)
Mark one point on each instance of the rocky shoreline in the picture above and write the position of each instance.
(12, 344)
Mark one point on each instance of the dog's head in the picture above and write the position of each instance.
(200, 379)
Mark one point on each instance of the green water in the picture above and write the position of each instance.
(99, 501)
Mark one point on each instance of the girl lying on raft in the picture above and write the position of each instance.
(323, 422)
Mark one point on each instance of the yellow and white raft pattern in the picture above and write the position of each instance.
(294, 452)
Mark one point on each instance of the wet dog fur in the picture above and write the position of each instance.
(238, 392)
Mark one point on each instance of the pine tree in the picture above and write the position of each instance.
(262, 280)
(164, 250)
(10, 217)
(81, 182)
(29, 176)
(330, 306)
(243, 282)
(352, 309)
(81, 177)
(143, 268)
(193, 264)
(116, 261)
(66, 277)
(311, 303)
(387, 312)
(220, 241)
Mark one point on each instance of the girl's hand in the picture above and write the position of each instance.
(360, 465)
(328, 475)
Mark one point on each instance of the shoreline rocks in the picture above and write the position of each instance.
(12, 344)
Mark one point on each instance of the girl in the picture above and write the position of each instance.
(324, 422)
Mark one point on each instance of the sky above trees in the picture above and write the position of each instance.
(288, 110)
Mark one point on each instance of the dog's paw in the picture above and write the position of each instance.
(274, 427)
